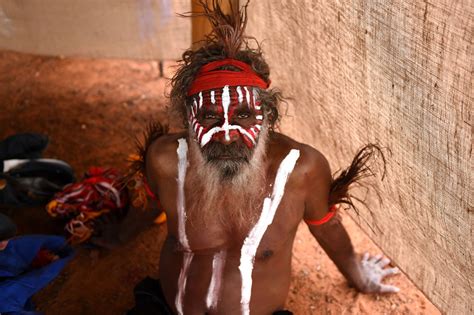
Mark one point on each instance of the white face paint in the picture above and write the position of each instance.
(213, 96)
(255, 98)
(200, 100)
(208, 136)
(240, 95)
(218, 263)
(204, 135)
(247, 95)
(251, 243)
(195, 107)
(225, 106)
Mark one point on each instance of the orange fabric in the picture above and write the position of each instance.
(326, 218)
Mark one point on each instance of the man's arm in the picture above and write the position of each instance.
(365, 274)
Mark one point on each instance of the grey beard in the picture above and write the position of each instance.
(229, 190)
(228, 168)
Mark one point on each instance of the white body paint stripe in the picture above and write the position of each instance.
(251, 243)
(259, 117)
(218, 263)
(183, 277)
(181, 206)
(200, 100)
(241, 96)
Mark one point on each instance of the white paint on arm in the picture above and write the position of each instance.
(251, 243)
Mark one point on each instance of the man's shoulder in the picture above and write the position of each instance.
(162, 151)
(165, 144)
(310, 160)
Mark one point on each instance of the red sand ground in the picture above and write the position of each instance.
(91, 110)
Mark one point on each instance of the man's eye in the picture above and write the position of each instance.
(243, 115)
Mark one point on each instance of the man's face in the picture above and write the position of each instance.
(226, 124)
(3, 244)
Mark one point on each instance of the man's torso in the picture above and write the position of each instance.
(213, 245)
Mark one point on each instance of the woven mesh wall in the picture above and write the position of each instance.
(398, 73)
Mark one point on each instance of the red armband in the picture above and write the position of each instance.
(148, 190)
(326, 218)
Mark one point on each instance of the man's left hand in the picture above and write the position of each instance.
(373, 271)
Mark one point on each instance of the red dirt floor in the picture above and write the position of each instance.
(92, 110)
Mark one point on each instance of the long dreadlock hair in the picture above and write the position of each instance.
(226, 40)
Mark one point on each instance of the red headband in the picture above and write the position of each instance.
(210, 78)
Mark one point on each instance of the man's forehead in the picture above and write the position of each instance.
(235, 105)
(236, 94)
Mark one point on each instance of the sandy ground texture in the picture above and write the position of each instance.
(92, 110)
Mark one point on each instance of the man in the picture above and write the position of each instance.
(234, 191)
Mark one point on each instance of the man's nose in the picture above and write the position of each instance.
(228, 138)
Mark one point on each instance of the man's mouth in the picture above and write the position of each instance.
(231, 153)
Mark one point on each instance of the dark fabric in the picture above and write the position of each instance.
(7, 228)
(149, 299)
(23, 146)
(18, 280)
(55, 171)
(34, 182)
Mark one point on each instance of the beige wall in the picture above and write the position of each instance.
(398, 73)
(96, 28)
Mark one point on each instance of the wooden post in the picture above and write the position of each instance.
(200, 25)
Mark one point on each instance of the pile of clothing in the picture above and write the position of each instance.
(99, 193)
(27, 264)
(27, 179)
